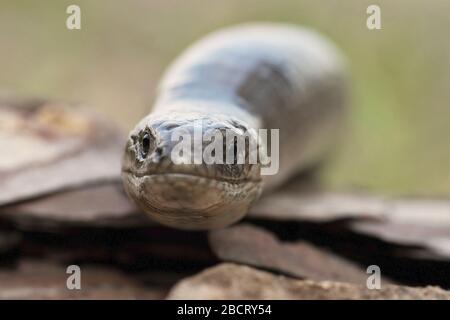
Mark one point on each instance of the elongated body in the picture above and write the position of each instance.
(259, 76)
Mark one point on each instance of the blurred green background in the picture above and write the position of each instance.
(399, 139)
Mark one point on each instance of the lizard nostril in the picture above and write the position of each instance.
(235, 151)
(145, 145)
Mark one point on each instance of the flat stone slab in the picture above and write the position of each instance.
(248, 244)
(50, 146)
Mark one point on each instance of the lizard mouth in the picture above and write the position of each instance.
(164, 176)
(191, 202)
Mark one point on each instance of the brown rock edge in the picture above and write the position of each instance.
(232, 281)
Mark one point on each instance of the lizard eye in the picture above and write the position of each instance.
(145, 145)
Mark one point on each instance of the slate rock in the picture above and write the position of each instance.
(35, 279)
(99, 205)
(248, 244)
(50, 146)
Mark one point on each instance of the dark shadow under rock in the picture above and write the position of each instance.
(131, 249)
